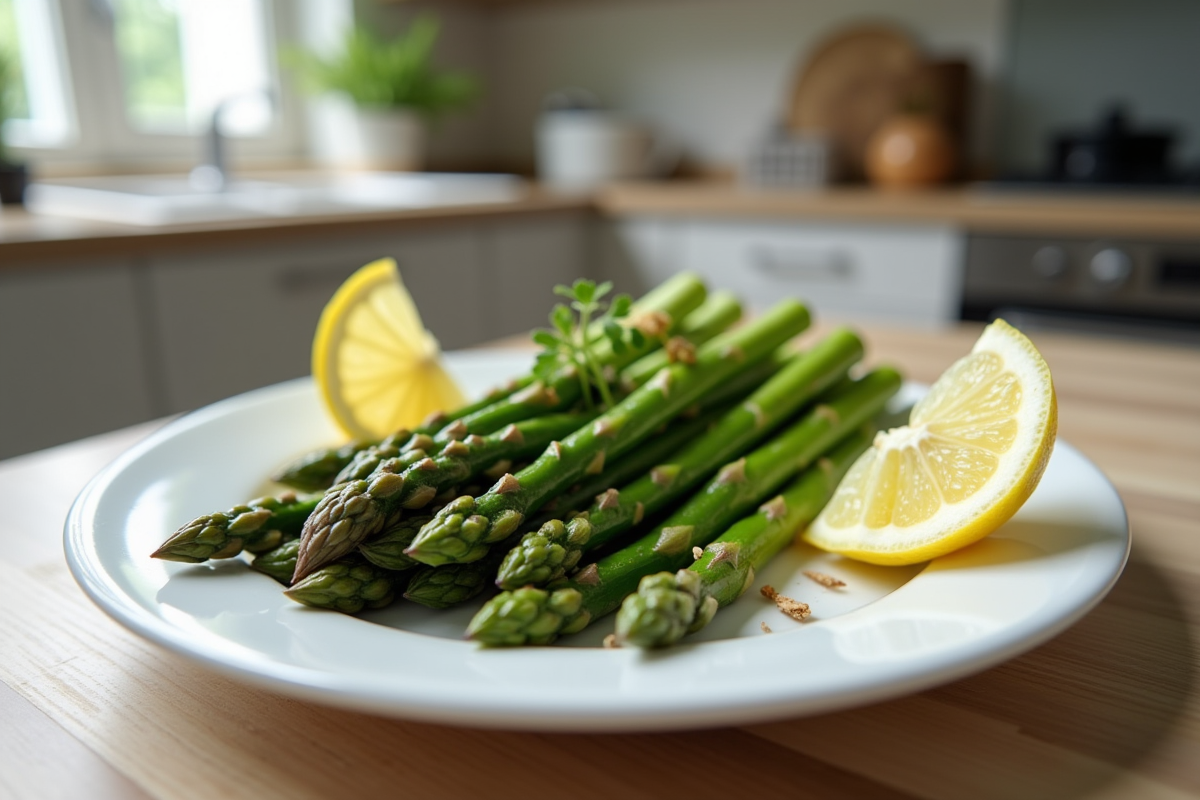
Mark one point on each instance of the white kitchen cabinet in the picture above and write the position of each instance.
(909, 274)
(636, 253)
(234, 319)
(96, 344)
(72, 356)
(524, 260)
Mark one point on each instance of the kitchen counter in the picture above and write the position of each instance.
(26, 236)
(1110, 708)
(973, 209)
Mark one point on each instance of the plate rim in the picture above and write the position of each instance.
(914, 674)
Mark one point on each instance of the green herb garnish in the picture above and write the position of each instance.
(578, 328)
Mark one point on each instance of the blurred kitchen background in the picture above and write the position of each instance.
(193, 191)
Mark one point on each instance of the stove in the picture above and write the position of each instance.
(1121, 286)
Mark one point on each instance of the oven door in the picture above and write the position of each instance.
(1120, 287)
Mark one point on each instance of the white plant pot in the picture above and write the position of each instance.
(348, 137)
(392, 139)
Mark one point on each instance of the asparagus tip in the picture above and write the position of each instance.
(166, 554)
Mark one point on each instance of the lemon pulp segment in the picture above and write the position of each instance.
(974, 450)
(376, 367)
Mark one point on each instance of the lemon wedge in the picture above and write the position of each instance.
(376, 367)
(974, 450)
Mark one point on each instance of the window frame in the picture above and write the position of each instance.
(47, 71)
(102, 135)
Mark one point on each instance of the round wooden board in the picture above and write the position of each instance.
(852, 83)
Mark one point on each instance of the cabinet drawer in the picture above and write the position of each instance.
(525, 260)
(72, 354)
(908, 274)
(235, 320)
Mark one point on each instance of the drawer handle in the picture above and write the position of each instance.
(800, 264)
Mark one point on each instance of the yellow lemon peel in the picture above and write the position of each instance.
(973, 451)
(375, 366)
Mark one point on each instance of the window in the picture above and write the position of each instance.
(180, 58)
(147, 76)
(30, 37)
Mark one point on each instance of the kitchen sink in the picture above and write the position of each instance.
(174, 199)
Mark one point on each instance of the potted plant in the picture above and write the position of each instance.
(13, 176)
(395, 91)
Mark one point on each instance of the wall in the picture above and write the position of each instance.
(1070, 58)
(460, 140)
(712, 73)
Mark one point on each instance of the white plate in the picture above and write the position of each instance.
(890, 631)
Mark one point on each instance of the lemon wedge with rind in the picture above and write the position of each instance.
(974, 450)
(375, 366)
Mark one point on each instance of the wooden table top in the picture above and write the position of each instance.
(1110, 708)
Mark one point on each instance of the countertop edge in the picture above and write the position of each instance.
(26, 237)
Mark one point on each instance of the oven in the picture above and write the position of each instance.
(1127, 287)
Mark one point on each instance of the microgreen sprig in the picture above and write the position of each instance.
(577, 328)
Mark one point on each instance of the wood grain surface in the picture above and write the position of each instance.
(1108, 709)
(26, 238)
(972, 209)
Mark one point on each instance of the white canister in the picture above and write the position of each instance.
(579, 150)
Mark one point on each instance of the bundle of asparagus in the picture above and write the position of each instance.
(538, 616)
(453, 537)
(646, 410)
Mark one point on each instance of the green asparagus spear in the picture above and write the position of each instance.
(716, 314)
(467, 528)
(319, 469)
(367, 460)
(387, 549)
(278, 563)
(539, 616)
(443, 587)
(719, 312)
(349, 586)
(316, 470)
(540, 558)
(352, 512)
(258, 525)
(451, 584)
(666, 607)
(669, 303)
(711, 319)
(634, 463)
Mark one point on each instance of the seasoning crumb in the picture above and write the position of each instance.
(827, 581)
(793, 608)
(765, 627)
(697, 552)
(610, 642)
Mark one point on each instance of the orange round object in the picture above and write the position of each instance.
(910, 150)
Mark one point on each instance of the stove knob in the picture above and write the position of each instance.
(1111, 267)
(1050, 262)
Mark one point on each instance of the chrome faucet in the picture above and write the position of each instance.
(212, 173)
